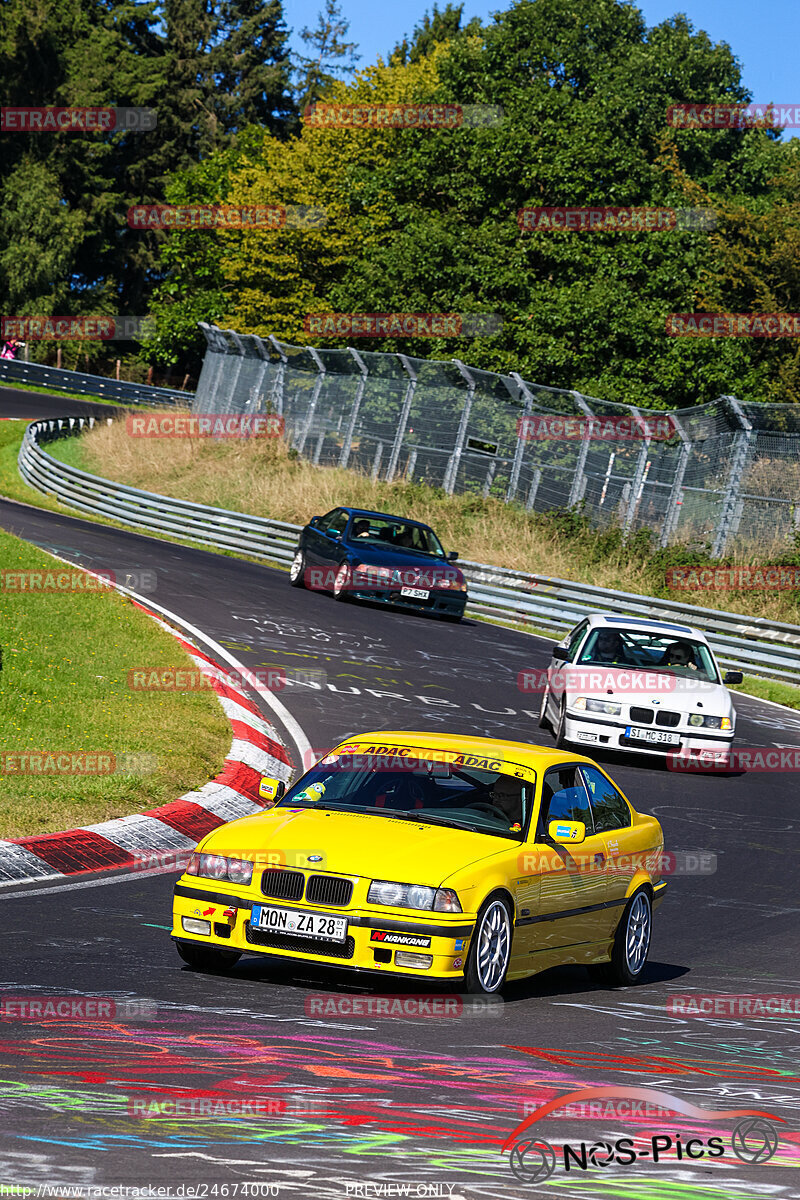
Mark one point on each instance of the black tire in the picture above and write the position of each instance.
(626, 968)
(207, 958)
(342, 581)
(559, 731)
(544, 720)
(475, 972)
(297, 571)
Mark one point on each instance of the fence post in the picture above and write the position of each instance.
(278, 383)
(731, 512)
(451, 474)
(351, 424)
(312, 408)
(376, 462)
(637, 482)
(211, 372)
(519, 450)
(533, 489)
(578, 488)
(676, 491)
(403, 421)
(231, 385)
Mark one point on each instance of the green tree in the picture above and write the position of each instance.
(329, 56)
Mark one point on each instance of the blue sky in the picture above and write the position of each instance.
(764, 37)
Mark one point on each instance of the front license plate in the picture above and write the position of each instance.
(415, 593)
(296, 923)
(659, 736)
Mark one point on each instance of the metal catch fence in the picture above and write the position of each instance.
(725, 474)
(539, 601)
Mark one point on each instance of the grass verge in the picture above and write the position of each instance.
(64, 690)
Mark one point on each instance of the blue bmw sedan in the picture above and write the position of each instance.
(362, 555)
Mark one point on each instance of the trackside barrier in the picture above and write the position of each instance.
(753, 643)
(16, 371)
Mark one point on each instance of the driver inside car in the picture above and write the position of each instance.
(608, 648)
(505, 794)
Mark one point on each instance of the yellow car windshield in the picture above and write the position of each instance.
(482, 801)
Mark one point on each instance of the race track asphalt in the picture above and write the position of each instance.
(424, 1103)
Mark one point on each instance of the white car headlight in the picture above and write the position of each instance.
(604, 706)
(586, 704)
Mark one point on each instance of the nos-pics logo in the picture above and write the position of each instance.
(532, 1160)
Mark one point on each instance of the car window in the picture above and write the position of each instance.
(609, 807)
(323, 523)
(575, 639)
(339, 521)
(633, 647)
(472, 798)
(564, 798)
(397, 534)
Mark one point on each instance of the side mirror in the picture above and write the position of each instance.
(452, 556)
(271, 790)
(567, 833)
(314, 522)
(560, 653)
(733, 677)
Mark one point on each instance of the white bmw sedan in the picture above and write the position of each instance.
(645, 686)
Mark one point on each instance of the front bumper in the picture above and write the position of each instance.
(447, 934)
(608, 733)
(442, 603)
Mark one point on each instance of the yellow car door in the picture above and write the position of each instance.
(623, 842)
(572, 889)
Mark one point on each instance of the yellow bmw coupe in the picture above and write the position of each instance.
(458, 859)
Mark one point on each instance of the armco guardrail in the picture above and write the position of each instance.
(16, 371)
(764, 647)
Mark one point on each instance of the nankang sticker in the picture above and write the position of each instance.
(398, 939)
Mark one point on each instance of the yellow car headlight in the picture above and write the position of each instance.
(412, 895)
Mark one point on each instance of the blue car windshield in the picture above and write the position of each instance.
(394, 534)
(426, 792)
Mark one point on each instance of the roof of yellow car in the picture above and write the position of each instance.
(522, 752)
